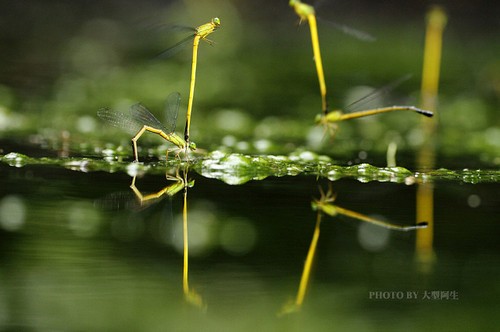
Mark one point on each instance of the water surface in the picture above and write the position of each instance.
(79, 250)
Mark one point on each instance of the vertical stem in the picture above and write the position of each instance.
(391, 154)
(436, 21)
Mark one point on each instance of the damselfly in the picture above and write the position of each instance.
(139, 120)
(330, 119)
(200, 33)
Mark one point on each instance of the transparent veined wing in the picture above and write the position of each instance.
(358, 34)
(172, 110)
(119, 120)
(358, 104)
(142, 115)
(176, 48)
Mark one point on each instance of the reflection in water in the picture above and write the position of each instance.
(294, 306)
(324, 205)
(424, 241)
(436, 21)
(170, 190)
(54, 264)
(190, 294)
(179, 183)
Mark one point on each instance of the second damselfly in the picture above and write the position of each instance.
(139, 120)
(199, 33)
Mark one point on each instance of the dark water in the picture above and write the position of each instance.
(78, 252)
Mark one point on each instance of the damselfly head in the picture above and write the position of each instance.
(303, 10)
(192, 146)
(216, 21)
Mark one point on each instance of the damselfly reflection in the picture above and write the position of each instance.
(139, 120)
(136, 199)
(325, 205)
(330, 120)
(171, 190)
(295, 305)
(190, 295)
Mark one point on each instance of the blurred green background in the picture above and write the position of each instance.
(257, 89)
